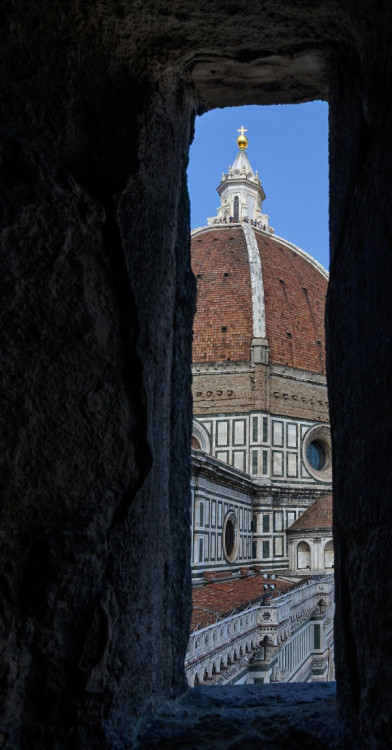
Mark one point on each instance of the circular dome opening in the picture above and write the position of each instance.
(230, 537)
(317, 453)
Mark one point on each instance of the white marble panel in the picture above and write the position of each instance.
(277, 433)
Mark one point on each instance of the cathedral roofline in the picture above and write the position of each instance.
(203, 464)
(318, 517)
(275, 237)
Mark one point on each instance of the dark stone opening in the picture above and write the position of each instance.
(229, 537)
(97, 305)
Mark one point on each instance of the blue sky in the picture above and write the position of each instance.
(288, 145)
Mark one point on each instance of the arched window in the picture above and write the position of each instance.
(236, 208)
(303, 556)
(200, 437)
(328, 555)
(229, 537)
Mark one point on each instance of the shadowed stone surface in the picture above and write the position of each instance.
(94, 563)
(98, 101)
(296, 716)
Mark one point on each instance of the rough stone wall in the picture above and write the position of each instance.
(297, 717)
(228, 392)
(96, 101)
(359, 346)
(97, 304)
(222, 392)
(69, 471)
(299, 398)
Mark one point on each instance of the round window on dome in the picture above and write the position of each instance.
(230, 537)
(317, 453)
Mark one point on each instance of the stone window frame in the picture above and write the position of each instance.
(319, 433)
(200, 433)
(308, 545)
(231, 517)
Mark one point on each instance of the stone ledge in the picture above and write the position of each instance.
(271, 717)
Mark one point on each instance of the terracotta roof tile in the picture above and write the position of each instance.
(317, 516)
(223, 321)
(215, 600)
(294, 294)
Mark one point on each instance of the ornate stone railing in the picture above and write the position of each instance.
(292, 608)
(231, 639)
(222, 633)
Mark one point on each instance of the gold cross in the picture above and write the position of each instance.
(242, 130)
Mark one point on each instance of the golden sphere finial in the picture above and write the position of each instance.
(242, 140)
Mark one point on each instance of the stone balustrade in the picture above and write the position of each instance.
(216, 647)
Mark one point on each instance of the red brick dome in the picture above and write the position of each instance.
(288, 294)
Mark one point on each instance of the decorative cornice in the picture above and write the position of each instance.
(213, 469)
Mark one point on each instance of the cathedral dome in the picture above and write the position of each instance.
(254, 287)
(287, 308)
